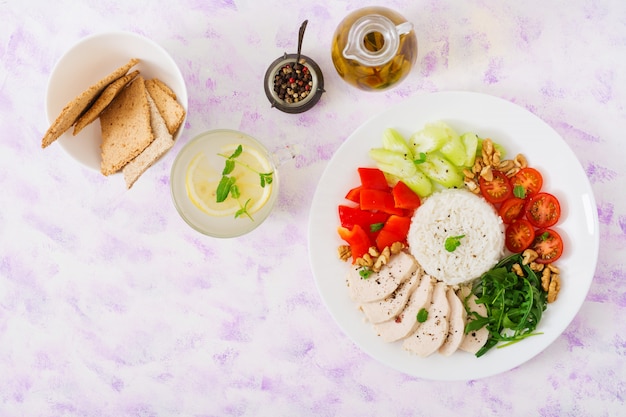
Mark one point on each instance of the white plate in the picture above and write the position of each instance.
(519, 131)
(92, 59)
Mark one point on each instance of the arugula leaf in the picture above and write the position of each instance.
(514, 304)
(453, 242)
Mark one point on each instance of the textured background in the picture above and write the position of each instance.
(111, 305)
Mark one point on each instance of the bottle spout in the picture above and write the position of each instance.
(404, 28)
(386, 44)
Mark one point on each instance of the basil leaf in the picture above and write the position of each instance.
(422, 315)
(234, 190)
(244, 210)
(421, 159)
(223, 188)
(228, 167)
(237, 152)
(453, 242)
(365, 272)
(266, 178)
(519, 191)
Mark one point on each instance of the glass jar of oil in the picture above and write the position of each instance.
(374, 48)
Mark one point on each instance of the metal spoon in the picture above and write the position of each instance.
(300, 38)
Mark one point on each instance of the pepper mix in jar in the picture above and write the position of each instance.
(293, 82)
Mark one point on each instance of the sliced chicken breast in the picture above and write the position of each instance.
(473, 341)
(390, 306)
(429, 336)
(380, 285)
(456, 326)
(406, 321)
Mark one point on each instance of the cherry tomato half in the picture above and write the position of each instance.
(519, 235)
(529, 179)
(512, 209)
(548, 245)
(498, 189)
(543, 210)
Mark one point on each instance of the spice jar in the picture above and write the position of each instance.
(294, 87)
(374, 48)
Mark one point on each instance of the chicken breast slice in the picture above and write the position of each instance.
(390, 306)
(380, 284)
(429, 336)
(456, 324)
(406, 322)
(473, 341)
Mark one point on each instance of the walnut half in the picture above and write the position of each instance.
(551, 282)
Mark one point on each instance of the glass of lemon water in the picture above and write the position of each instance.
(224, 183)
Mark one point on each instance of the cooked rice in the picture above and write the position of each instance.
(452, 213)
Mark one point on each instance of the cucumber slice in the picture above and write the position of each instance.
(470, 142)
(419, 183)
(394, 163)
(453, 148)
(430, 138)
(394, 141)
(442, 171)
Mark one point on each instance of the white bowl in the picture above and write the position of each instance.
(92, 59)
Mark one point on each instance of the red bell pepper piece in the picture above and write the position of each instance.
(396, 229)
(404, 197)
(358, 240)
(351, 216)
(386, 238)
(379, 200)
(354, 194)
(373, 178)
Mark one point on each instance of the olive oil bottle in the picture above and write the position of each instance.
(374, 48)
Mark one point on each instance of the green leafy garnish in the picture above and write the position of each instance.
(453, 242)
(227, 185)
(244, 210)
(422, 315)
(224, 188)
(514, 304)
(365, 272)
(375, 227)
(421, 159)
(266, 178)
(519, 191)
(544, 236)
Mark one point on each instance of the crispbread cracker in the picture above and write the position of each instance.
(103, 100)
(164, 87)
(162, 142)
(173, 113)
(73, 110)
(125, 125)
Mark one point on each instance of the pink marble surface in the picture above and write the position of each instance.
(111, 306)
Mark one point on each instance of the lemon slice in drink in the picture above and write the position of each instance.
(202, 179)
